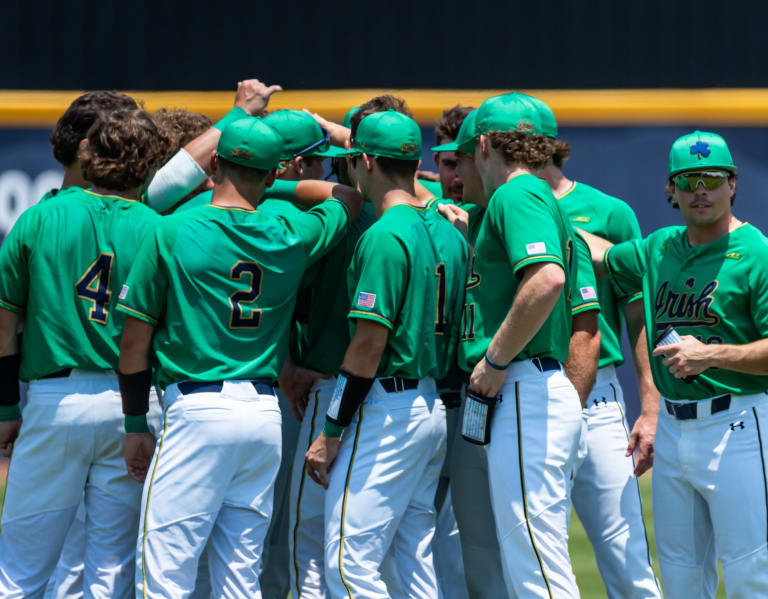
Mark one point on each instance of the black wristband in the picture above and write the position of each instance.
(9, 380)
(350, 392)
(134, 389)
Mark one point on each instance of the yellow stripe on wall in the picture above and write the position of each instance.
(749, 106)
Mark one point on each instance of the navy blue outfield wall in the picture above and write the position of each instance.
(628, 162)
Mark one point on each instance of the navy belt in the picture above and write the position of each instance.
(451, 399)
(395, 384)
(58, 374)
(546, 364)
(263, 387)
(689, 411)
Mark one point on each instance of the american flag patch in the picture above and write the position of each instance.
(536, 248)
(588, 293)
(366, 300)
(123, 292)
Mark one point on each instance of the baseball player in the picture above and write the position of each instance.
(605, 478)
(69, 355)
(516, 335)
(384, 436)
(703, 286)
(211, 294)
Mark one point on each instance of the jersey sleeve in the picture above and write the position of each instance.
(625, 265)
(143, 295)
(14, 263)
(320, 228)
(758, 292)
(377, 278)
(622, 224)
(584, 289)
(529, 231)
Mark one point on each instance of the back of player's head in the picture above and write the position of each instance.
(248, 149)
(378, 104)
(124, 149)
(514, 129)
(449, 123)
(74, 124)
(393, 139)
(562, 149)
(181, 125)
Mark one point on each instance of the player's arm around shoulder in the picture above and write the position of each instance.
(10, 363)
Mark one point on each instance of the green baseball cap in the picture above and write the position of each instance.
(301, 134)
(700, 150)
(388, 134)
(548, 122)
(465, 135)
(250, 142)
(507, 112)
(347, 122)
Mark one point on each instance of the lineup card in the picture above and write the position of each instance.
(475, 417)
(669, 337)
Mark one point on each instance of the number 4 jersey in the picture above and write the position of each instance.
(219, 284)
(61, 268)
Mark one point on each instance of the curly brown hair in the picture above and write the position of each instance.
(73, 125)
(531, 149)
(378, 104)
(182, 126)
(123, 150)
(449, 123)
(562, 153)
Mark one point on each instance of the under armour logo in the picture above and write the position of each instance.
(737, 424)
(597, 401)
(701, 148)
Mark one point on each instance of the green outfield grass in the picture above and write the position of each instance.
(590, 583)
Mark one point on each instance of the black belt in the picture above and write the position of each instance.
(262, 387)
(688, 411)
(546, 364)
(394, 384)
(59, 374)
(451, 399)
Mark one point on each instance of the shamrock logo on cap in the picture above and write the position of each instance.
(701, 148)
(241, 153)
(408, 148)
(525, 126)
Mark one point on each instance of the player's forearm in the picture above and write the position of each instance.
(634, 313)
(583, 354)
(310, 193)
(365, 350)
(750, 358)
(537, 295)
(597, 248)
(9, 326)
(135, 346)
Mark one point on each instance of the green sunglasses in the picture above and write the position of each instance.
(709, 179)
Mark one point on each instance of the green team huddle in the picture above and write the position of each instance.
(257, 381)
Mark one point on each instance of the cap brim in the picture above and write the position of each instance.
(332, 152)
(451, 146)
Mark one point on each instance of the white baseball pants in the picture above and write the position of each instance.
(471, 496)
(606, 496)
(710, 499)
(534, 441)
(71, 442)
(381, 493)
(210, 482)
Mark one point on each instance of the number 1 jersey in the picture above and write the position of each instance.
(219, 285)
(61, 268)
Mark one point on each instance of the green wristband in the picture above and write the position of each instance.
(282, 190)
(332, 430)
(10, 413)
(235, 114)
(136, 424)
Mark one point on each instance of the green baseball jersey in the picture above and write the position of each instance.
(201, 199)
(323, 333)
(433, 187)
(715, 292)
(522, 225)
(62, 266)
(279, 190)
(583, 293)
(53, 193)
(219, 284)
(408, 274)
(610, 218)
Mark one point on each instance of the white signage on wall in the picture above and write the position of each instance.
(19, 191)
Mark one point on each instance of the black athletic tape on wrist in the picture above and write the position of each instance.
(350, 392)
(9, 380)
(134, 389)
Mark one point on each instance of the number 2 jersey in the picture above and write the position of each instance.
(61, 268)
(219, 284)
